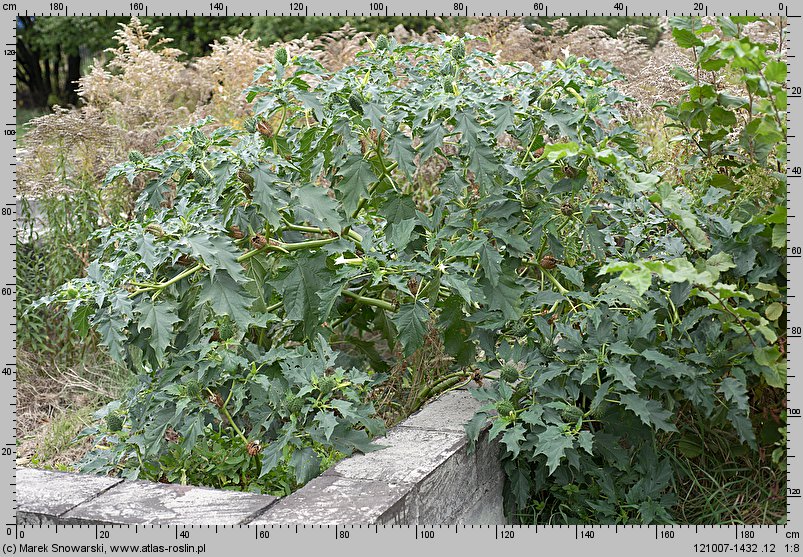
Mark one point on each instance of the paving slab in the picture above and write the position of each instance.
(43, 495)
(333, 499)
(155, 503)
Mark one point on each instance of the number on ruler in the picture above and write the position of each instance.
(10, 52)
(619, 6)
(459, 7)
(297, 6)
(376, 6)
(699, 6)
(797, 90)
(217, 6)
(137, 6)
(538, 7)
(57, 7)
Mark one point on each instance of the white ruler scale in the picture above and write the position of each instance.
(423, 540)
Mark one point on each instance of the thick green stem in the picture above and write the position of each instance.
(383, 304)
(230, 419)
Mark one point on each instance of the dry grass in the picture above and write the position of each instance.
(54, 405)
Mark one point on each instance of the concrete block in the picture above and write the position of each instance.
(409, 456)
(43, 496)
(333, 499)
(155, 503)
(447, 413)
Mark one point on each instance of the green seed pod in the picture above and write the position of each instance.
(327, 384)
(280, 56)
(136, 157)
(382, 43)
(202, 177)
(294, 403)
(509, 374)
(448, 85)
(372, 264)
(547, 103)
(505, 408)
(520, 329)
(571, 414)
(355, 102)
(226, 331)
(592, 101)
(245, 177)
(194, 388)
(114, 422)
(600, 409)
(198, 138)
(250, 124)
(719, 358)
(459, 51)
(530, 198)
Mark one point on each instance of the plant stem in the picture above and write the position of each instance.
(383, 304)
(230, 419)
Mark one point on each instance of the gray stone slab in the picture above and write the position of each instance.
(447, 413)
(451, 487)
(489, 509)
(333, 499)
(156, 503)
(42, 493)
(409, 456)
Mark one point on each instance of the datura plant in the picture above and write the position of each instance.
(272, 274)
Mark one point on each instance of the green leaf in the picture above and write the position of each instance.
(300, 283)
(227, 297)
(557, 151)
(621, 371)
(553, 443)
(265, 194)
(686, 38)
(401, 150)
(491, 263)
(411, 322)
(774, 311)
(357, 176)
(572, 275)
(306, 464)
(315, 200)
(218, 253)
(650, 412)
(513, 438)
(776, 71)
(159, 318)
(327, 421)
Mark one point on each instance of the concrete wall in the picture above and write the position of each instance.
(424, 475)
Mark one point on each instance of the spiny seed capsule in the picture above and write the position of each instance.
(198, 138)
(259, 241)
(571, 414)
(136, 157)
(202, 178)
(294, 404)
(448, 85)
(194, 388)
(226, 331)
(327, 384)
(382, 42)
(253, 448)
(509, 373)
(546, 103)
(114, 422)
(459, 51)
(235, 232)
(281, 56)
(529, 199)
(520, 329)
(355, 102)
(549, 262)
(250, 124)
(567, 209)
(372, 264)
(505, 408)
(592, 101)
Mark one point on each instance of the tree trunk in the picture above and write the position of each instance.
(73, 75)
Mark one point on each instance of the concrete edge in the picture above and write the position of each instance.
(424, 475)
